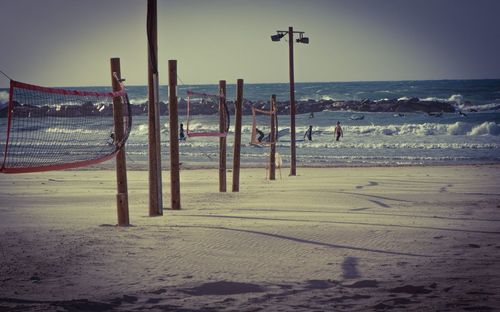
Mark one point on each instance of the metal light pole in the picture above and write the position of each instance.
(280, 34)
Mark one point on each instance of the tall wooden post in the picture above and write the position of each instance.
(121, 164)
(175, 187)
(272, 152)
(222, 139)
(237, 135)
(292, 105)
(155, 180)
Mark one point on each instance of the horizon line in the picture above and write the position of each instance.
(297, 82)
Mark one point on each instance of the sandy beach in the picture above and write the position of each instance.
(335, 239)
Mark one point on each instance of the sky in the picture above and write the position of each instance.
(70, 42)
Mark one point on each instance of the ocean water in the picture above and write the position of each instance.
(376, 139)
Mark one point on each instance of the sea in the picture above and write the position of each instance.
(471, 135)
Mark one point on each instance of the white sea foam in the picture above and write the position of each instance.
(486, 128)
(140, 130)
(404, 129)
(394, 146)
(483, 107)
(327, 98)
(460, 128)
(71, 131)
(455, 98)
(137, 101)
(425, 129)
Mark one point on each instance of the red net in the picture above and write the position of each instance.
(50, 128)
(217, 104)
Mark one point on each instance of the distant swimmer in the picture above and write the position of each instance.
(311, 115)
(440, 114)
(260, 134)
(182, 136)
(338, 131)
(462, 114)
(309, 133)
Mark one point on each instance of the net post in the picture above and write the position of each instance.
(272, 152)
(222, 139)
(121, 165)
(293, 151)
(154, 153)
(175, 190)
(237, 135)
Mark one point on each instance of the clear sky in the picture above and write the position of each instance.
(69, 42)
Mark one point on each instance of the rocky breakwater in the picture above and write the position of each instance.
(209, 108)
(388, 105)
(392, 105)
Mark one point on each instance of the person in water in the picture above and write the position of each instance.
(309, 133)
(182, 136)
(260, 134)
(338, 131)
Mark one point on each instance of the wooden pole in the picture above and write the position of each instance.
(175, 188)
(272, 152)
(237, 135)
(121, 164)
(293, 170)
(155, 180)
(222, 140)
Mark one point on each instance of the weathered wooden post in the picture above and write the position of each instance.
(121, 164)
(272, 152)
(155, 180)
(175, 189)
(222, 139)
(293, 155)
(237, 135)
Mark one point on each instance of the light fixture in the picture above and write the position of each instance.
(278, 36)
(302, 39)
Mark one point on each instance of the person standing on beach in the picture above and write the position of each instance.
(260, 134)
(338, 131)
(182, 136)
(309, 133)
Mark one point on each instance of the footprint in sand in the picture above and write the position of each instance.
(445, 188)
(223, 288)
(364, 284)
(358, 209)
(370, 183)
(410, 289)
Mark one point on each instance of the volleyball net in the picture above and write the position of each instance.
(45, 129)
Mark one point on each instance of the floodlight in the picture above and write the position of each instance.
(277, 37)
(303, 40)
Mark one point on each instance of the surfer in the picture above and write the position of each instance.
(309, 133)
(111, 140)
(338, 131)
(260, 134)
(182, 136)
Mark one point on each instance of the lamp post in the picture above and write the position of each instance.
(280, 34)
